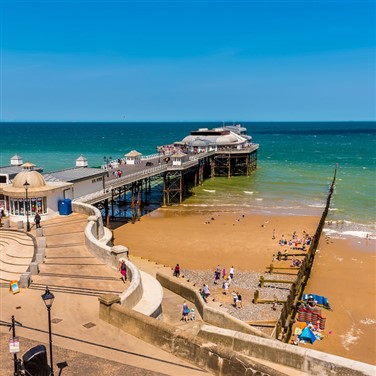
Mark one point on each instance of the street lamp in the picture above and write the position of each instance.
(159, 154)
(48, 298)
(26, 186)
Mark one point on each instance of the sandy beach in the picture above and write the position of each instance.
(344, 271)
(204, 240)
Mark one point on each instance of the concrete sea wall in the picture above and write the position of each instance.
(311, 362)
(216, 359)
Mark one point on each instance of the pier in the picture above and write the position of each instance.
(178, 172)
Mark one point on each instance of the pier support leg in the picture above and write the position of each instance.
(181, 190)
(139, 206)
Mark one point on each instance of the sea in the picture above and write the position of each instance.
(296, 164)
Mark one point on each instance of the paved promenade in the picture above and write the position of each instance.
(76, 278)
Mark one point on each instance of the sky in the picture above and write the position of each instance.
(187, 60)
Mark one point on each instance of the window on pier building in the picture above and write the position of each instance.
(19, 206)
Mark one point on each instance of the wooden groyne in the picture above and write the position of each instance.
(283, 329)
(287, 317)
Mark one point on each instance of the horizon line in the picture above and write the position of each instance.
(185, 121)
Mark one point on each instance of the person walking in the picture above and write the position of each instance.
(123, 270)
(37, 220)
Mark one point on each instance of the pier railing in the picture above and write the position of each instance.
(128, 179)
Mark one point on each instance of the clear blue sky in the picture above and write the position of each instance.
(187, 60)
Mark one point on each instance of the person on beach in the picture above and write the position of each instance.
(232, 272)
(177, 271)
(273, 237)
(217, 274)
(37, 220)
(184, 312)
(224, 273)
(239, 301)
(123, 270)
(225, 287)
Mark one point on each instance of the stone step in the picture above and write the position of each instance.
(80, 282)
(74, 289)
(8, 276)
(13, 268)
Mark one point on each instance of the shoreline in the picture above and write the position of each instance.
(199, 240)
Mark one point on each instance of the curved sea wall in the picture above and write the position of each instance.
(96, 239)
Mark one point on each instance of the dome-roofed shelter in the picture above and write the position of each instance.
(16, 160)
(29, 193)
(133, 157)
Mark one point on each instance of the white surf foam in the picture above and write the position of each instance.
(209, 190)
(368, 321)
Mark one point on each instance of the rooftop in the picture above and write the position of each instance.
(73, 174)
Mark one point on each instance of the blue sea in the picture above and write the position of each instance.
(295, 167)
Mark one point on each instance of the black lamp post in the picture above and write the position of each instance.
(26, 186)
(48, 298)
(159, 154)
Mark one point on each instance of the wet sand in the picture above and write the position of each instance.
(170, 236)
(344, 271)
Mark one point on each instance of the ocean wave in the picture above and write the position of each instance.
(316, 205)
(351, 337)
(368, 321)
(346, 229)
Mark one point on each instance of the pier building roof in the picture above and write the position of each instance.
(178, 154)
(37, 184)
(133, 153)
(217, 136)
(74, 174)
